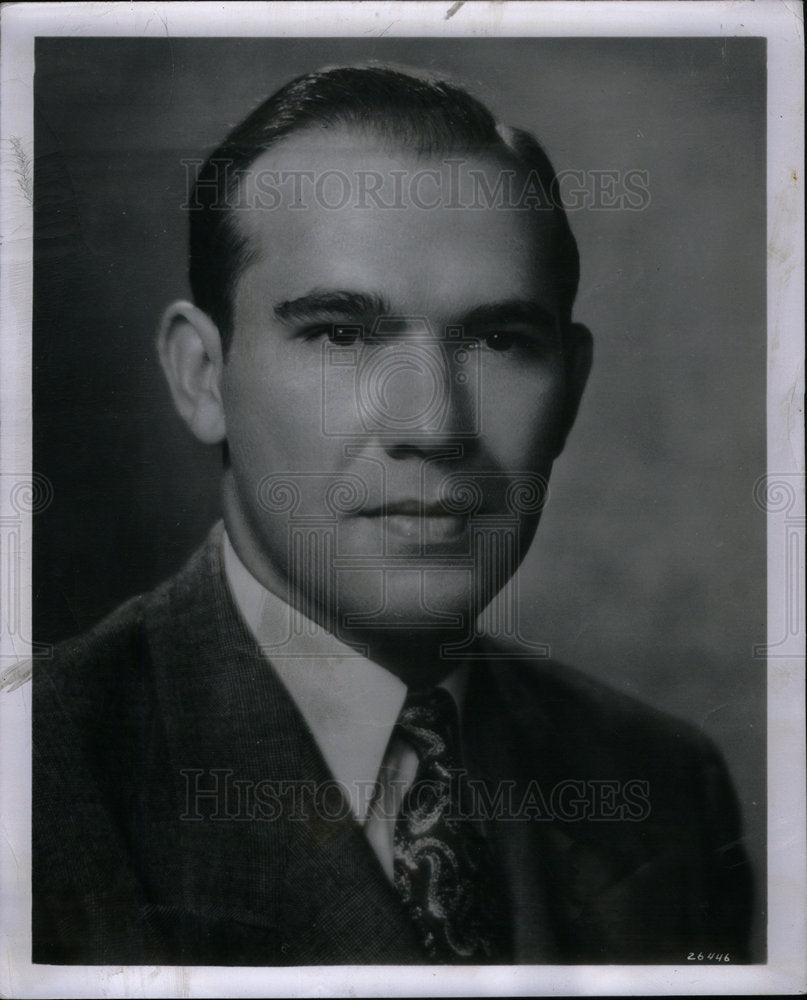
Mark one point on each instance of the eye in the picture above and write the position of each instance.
(500, 340)
(343, 334)
(336, 333)
(529, 344)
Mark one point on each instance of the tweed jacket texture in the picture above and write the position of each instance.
(171, 696)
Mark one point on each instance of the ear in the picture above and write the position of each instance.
(189, 347)
(578, 349)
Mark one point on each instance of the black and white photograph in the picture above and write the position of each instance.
(402, 585)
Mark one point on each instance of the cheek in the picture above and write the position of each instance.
(273, 412)
(521, 417)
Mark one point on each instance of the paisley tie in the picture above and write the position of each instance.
(442, 867)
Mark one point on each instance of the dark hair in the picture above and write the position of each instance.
(427, 116)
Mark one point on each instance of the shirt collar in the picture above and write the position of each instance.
(349, 703)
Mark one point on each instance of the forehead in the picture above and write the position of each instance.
(341, 209)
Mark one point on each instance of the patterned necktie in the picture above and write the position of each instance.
(442, 866)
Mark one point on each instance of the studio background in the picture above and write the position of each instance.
(648, 570)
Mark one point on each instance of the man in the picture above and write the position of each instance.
(301, 750)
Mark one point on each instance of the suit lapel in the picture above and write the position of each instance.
(267, 838)
(576, 886)
(496, 758)
(335, 890)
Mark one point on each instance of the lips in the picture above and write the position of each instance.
(440, 528)
(408, 508)
(416, 521)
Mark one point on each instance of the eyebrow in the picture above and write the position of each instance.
(354, 305)
(362, 305)
(511, 311)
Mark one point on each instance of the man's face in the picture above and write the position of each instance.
(393, 390)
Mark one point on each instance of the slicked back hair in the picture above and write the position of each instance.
(429, 117)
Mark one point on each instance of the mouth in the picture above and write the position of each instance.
(432, 528)
(416, 521)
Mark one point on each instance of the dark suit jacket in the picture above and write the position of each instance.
(171, 692)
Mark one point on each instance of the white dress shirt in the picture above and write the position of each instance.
(350, 703)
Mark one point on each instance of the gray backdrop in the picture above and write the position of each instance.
(649, 567)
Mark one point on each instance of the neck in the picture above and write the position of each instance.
(417, 659)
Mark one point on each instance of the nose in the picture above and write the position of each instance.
(419, 392)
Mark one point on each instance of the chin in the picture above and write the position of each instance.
(434, 602)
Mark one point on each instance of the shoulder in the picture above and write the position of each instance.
(96, 660)
(636, 793)
(103, 674)
(594, 720)
(563, 725)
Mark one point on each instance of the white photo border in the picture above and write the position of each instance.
(781, 22)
